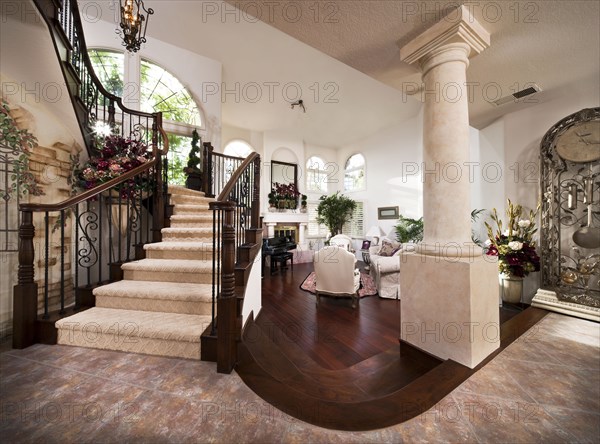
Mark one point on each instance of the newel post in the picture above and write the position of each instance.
(25, 292)
(255, 215)
(226, 301)
(207, 181)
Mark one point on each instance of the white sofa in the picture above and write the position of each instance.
(385, 270)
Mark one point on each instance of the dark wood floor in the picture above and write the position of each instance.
(334, 335)
(343, 368)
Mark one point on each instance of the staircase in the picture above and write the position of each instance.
(164, 303)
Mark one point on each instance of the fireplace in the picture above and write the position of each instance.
(288, 230)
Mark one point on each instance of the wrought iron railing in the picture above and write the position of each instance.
(87, 237)
(235, 215)
(217, 170)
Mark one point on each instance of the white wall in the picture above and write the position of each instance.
(393, 158)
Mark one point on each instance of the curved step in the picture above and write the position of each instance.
(181, 190)
(180, 250)
(191, 234)
(191, 209)
(168, 297)
(161, 334)
(190, 199)
(204, 220)
(341, 405)
(169, 270)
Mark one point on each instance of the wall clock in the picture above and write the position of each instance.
(580, 143)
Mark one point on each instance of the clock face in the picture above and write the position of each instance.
(580, 143)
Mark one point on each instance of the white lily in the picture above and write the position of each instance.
(515, 245)
(524, 223)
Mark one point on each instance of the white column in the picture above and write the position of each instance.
(270, 229)
(446, 193)
(302, 233)
(449, 291)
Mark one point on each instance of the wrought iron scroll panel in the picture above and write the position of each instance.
(569, 190)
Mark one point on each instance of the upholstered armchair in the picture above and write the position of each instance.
(336, 274)
(342, 240)
(385, 267)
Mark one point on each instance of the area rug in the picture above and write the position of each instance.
(367, 284)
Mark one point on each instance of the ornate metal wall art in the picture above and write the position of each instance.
(570, 217)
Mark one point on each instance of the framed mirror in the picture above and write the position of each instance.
(284, 173)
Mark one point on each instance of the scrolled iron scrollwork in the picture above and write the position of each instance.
(87, 255)
(570, 200)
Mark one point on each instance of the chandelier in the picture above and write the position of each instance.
(133, 23)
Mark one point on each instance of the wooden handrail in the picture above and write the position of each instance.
(165, 141)
(88, 63)
(89, 193)
(229, 187)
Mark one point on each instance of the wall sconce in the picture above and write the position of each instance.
(133, 23)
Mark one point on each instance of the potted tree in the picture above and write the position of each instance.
(303, 203)
(194, 165)
(272, 201)
(334, 211)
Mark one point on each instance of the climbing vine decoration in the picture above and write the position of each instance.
(15, 149)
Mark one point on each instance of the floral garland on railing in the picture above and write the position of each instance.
(116, 156)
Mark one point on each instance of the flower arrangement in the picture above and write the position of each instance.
(514, 244)
(116, 156)
(284, 192)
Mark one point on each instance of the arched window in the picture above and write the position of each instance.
(109, 68)
(354, 174)
(316, 175)
(159, 91)
(237, 148)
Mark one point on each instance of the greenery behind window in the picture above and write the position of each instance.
(159, 91)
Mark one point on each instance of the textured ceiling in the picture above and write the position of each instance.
(550, 43)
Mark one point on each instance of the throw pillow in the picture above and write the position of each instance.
(387, 249)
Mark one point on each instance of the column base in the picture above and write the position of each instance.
(450, 306)
(449, 250)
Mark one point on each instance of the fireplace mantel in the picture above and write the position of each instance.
(276, 217)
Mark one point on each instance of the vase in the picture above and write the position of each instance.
(512, 289)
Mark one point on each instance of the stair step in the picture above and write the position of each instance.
(201, 220)
(190, 199)
(180, 209)
(169, 297)
(180, 190)
(169, 270)
(180, 250)
(161, 334)
(190, 233)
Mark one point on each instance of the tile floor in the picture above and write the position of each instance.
(545, 387)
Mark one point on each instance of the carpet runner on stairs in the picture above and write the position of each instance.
(164, 302)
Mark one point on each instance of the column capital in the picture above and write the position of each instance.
(458, 26)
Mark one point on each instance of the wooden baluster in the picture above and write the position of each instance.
(227, 302)
(158, 210)
(25, 292)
